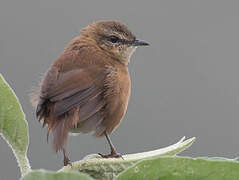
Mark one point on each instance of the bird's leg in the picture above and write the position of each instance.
(113, 153)
(66, 159)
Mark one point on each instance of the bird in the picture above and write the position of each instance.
(87, 88)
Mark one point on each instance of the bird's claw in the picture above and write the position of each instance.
(111, 155)
(67, 161)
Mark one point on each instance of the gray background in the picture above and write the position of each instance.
(185, 83)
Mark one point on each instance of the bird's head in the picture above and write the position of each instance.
(114, 38)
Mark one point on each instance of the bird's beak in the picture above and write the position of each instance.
(138, 42)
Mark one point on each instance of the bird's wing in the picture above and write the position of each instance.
(81, 87)
(69, 98)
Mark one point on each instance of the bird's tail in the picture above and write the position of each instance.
(60, 134)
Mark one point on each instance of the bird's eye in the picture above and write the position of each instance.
(113, 39)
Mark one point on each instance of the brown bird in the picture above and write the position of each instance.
(87, 88)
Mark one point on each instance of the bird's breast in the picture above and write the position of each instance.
(117, 96)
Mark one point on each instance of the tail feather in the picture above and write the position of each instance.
(60, 131)
(58, 125)
(59, 135)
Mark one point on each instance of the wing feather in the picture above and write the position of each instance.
(66, 95)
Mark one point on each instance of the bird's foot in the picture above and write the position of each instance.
(67, 161)
(111, 155)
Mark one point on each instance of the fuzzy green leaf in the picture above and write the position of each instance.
(104, 169)
(182, 168)
(48, 175)
(13, 125)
